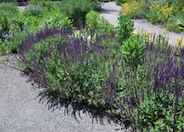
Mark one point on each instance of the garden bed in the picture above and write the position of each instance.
(86, 60)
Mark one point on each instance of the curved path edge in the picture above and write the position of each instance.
(111, 12)
(25, 108)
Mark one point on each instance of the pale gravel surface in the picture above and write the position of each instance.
(111, 12)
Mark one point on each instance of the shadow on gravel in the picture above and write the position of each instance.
(51, 100)
(107, 11)
(73, 108)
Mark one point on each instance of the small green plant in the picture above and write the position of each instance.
(57, 20)
(3, 48)
(32, 23)
(152, 15)
(9, 9)
(34, 10)
(5, 24)
(157, 113)
(50, 6)
(98, 23)
(133, 51)
(176, 23)
(125, 28)
(76, 9)
(119, 2)
(18, 39)
(134, 9)
(6, 1)
(96, 4)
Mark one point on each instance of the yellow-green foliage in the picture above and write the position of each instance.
(132, 9)
(160, 13)
(98, 23)
(164, 13)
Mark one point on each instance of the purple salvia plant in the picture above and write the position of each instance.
(176, 98)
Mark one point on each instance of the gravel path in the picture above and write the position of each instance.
(111, 12)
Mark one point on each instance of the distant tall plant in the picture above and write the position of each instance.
(119, 2)
(133, 51)
(98, 24)
(76, 10)
(125, 28)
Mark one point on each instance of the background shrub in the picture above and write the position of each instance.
(97, 23)
(57, 20)
(6, 1)
(16, 24)
(119, 2)
(157, 112)
(3, 48)
(133, 51)
(34, 10)
(76, 10)
(133, 9)
(152, 14)
(9, 26)
(125, 28)
(7, 12)
(166, 12)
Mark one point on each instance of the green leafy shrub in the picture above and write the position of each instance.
(150, 91)
(57, 20)
(3, 48)
(9, 9)
(18, 39)
(34, 10)
(134, 9)
(167, 13)
(157, 112)
(119, 2)
(125, 28)
(47, 5)
(16, 25)
(152, 14)
(133, 51)
(9, 26)
(98, 23)
(6, 1)
(96, 4)
(175, 24)
(5, 24)
(76, 10)
(7, 12)
(32, 24)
